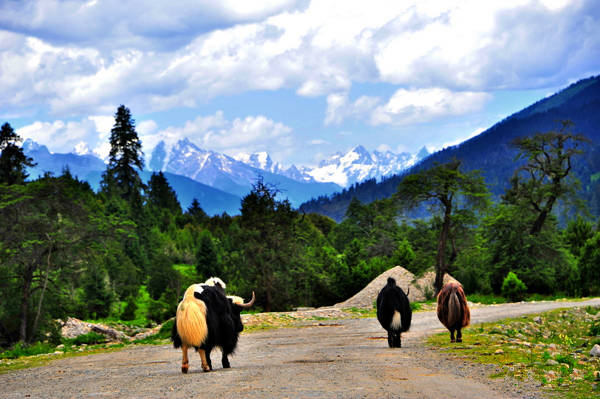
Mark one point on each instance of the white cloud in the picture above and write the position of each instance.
(138, 54)
(70, 136)
(215, 132)
(340, 108)
(423, 105)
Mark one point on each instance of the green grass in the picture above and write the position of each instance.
(553, 351)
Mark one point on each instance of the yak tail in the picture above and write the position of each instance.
(191, 322)
(466, 313)
(453, 309)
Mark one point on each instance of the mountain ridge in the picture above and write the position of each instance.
(491, 152)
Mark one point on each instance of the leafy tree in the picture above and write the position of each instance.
(50, 230)
(445, 187)
(161, 274)
(403, 255)
(576, 234)
(541, 261)
(590, 266)
(97, 295)
(121, 176)
(207, 262)
(269, 244)
(546, 175)
(12, 159)
(513, 288)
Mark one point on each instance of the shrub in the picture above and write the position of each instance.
(20, 349)
(595, 329)
(90, 338)
(130, 308)
(513, 288)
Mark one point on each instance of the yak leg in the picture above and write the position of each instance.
(225, 361)
(185, 363)
(452, 335)
(205, 365)
(399, 340)
(391, 339)
(458, 336)
(208, 361)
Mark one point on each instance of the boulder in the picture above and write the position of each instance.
(73, 328)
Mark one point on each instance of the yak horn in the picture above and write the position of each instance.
(247, 305)
(408, 291)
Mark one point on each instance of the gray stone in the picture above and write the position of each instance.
(595, 351)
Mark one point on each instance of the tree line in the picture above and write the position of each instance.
(66, 250)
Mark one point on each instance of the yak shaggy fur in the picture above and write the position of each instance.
(393, 312)
(452, 309)
(191, 317)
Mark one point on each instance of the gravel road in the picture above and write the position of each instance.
(328, 359)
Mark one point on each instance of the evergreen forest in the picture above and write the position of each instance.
(129, 251)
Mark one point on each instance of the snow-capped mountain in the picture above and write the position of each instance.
(231, 175)
(343, 169)
(262, 160)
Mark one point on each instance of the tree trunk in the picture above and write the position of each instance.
(41, 301)
(24, 307)
(440, 259)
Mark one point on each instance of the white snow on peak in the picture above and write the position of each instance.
(344, 169)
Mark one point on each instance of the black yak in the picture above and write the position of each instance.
(206, 319)
(452, 309)
(394, 312)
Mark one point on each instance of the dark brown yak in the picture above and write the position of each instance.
(452, 309)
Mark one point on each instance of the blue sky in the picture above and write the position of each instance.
(298, 79)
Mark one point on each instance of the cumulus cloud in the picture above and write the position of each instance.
(404, 107)
(80, 136)
(216, 132)
(423, 105)
(138, 54)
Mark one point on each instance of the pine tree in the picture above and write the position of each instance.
(121, 176)
(12, 159)
(196, 212)
(161, 195)
(206, 257)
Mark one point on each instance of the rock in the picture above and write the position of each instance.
(74, 327)
(498, 352)
(551, 362)
(537, 320)
(595, 351)
(148, 333)
(553, 347)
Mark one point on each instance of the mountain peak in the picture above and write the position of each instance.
(29, 146)
(423, 153)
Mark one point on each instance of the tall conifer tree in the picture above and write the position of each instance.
(125, 158)
(12, 159)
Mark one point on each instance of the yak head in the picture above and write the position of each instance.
(237, 305)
